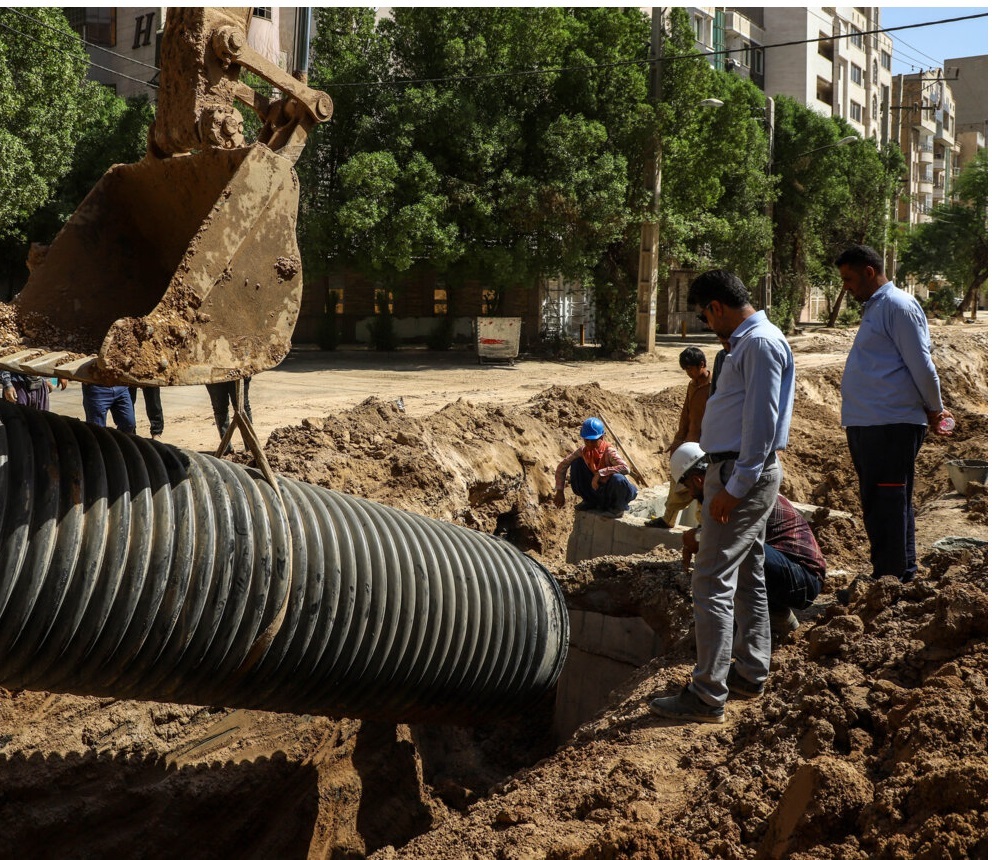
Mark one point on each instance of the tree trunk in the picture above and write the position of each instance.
(835, 310)
(970, 299)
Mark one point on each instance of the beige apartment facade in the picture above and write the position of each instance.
(826, 58)
(924, 124)
(124, 42)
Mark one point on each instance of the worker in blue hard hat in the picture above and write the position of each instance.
(597, 474)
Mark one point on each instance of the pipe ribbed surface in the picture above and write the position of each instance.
(137, 570)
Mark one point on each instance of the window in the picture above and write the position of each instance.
(144, 25)
(886, 60)
(383, 302)
(855, 112)
(826, 47)
(874, 70)
(264, 12)
(98, 26)
(857, 39)
(700, 28)
(856, 74)
(874, 107)
(754, 58)
(490, 302)
(440, 301)
(825, 91)
(334, 302)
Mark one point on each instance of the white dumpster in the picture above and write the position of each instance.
(498, 338)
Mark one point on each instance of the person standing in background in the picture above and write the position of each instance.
(98, 400)
(153, 408)
(890, 393)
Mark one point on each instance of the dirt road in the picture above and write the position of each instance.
(310, 383)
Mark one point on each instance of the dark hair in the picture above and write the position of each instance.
(694, 470)
(692, 356)
(861, 256)
(718, 285)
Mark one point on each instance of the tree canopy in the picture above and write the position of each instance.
(507, 144)
(831, 195)
(954, 244)
(42, 66)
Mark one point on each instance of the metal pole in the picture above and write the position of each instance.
(647, 270)
(766, 290)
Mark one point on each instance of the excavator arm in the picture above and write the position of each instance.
(183, 268)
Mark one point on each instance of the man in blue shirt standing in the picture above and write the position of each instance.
(746, 423)
(889, 394)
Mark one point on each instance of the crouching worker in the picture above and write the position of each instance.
(794, 565)
(597, 474)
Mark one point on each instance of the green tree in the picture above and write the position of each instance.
(42, 65)
(954, 245)
(713, 182)
(464, 156)
(865, 218)
(830, 196)
(506, 144)
(112, 131)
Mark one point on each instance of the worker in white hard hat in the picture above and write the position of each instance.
(794, 565)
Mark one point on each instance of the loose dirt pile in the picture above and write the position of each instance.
(870, 740)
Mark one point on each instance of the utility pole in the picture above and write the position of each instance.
(766, 291)
(647, 268)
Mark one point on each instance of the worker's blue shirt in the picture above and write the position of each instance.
(752, 408)
(889, 377)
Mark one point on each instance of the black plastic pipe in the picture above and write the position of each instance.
(133, 569)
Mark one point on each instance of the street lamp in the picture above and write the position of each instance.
(844, 141)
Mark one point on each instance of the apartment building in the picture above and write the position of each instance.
(969, 76)
(924, 124)
(124, 42)
(824, 57)
(123, 45)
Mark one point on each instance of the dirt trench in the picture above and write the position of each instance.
(870, 740)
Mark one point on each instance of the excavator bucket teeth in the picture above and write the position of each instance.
(173, 271)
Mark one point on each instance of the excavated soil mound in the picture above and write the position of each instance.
(869, 741)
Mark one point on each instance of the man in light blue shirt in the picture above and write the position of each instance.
(746, 423)
(889, 394)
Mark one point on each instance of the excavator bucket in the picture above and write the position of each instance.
(172, 271)
(183, 268)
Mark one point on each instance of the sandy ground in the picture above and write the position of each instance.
(310, 383)
(870, 740)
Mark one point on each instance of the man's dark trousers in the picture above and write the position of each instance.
(884, 457)
(788, 584)
(613, 494)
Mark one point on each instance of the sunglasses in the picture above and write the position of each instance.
(702, 317)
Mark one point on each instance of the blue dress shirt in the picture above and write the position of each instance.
(752, 408)
(889, 377)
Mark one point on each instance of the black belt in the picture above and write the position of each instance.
(721, 456)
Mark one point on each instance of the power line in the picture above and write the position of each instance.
(641, 62)
(76, 37)
(85, 59)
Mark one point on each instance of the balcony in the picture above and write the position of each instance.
(943, 134)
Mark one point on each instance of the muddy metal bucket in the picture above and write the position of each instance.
(172, 271)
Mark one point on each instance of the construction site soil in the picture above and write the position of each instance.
(870, 740)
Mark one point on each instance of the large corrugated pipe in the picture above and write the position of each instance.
(134, 569)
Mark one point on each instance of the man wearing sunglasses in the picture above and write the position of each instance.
(745, 424)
